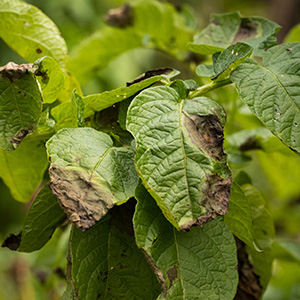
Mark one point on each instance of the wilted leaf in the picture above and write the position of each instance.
(230, 28)
(20, 104)
(200, 264)
(180, 154)
(30, 33)
(106, 263)
(41, 221)
(272, 91)
(22, 170)
(88, 174)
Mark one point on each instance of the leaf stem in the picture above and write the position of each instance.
(208, 87)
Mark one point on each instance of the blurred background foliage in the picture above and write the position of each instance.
(262, 160)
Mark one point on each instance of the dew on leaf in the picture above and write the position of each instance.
(236, 53)
(232, 52)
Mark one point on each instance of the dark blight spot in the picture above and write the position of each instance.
(206, 132)
(38, 51)
(172, 275)
(120, 17)
(13, 241)
(246, 30)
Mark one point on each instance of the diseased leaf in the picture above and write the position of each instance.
(199, 264)
(50, 77)
(77, 110)
(95, 52)
(88, 174)
(239, 217)
(106, 263)
(41, 221)
(272, 91)
(230, 28)
(263, 233)
(180, 156)
(22, 170)
(20, 104)
(30, 33)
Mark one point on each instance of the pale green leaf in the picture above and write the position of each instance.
(229, 28)
(239, 217)
(263, 232)
(20, 104)
(95, 52)
(30, 32)
(41, 221)
(180, 156)
(107, 264)
(77, 110)
(293, 35)
(199, 264)
(22, 170)
(272, 91)
(50, 77)
(205, 70)
(287, 251)
(88, 175)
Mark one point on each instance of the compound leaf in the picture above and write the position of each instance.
(107, 264)
(180, 156)
(88, 175)
(20, 104)
(272, 91)
(41, 221)
(30, 32)
(22, 170)
(199, 264)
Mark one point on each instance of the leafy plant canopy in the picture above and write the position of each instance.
(141, 173)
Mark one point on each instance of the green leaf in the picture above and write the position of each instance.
(293, 35)
(229, 59)
(199, 264)
(106, 263)
(23, 169)
(88, 175)
(229, 28)
(98, 102)
(41, 221)
(20, 104)
(205, 70)
(272, 91)
(95, 52)
(50, 77)
(30, 32)
(77, 110)
(180, 156)
(263, 232)
(287, 251)
(239, 217)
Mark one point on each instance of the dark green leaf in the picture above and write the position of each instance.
(41, 221)
(30, 33)
(106, 263)
(20, 104)
(229, 28)
(272, 91)
(180, 154)
(239, 217)
(22, 170)
(199, 264)
(88, 174)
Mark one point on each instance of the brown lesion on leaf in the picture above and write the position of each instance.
(246, 30)
(13, 241)
(120, 17)
(17, 138)
(215, 200)
(83, 200)
(206, 132)
(14, 72)
(249, 286)
(172, 275)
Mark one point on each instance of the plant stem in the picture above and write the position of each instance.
(208, 87)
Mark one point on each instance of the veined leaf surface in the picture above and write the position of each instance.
(30, 32)
(199, 264)
(179, 154)
(88, 175)
(107, 264)
(272, 91)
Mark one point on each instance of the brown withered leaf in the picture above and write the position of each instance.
(246, 30)
(83, 200)
(120, 17)
(13, 71)
(13, 241)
